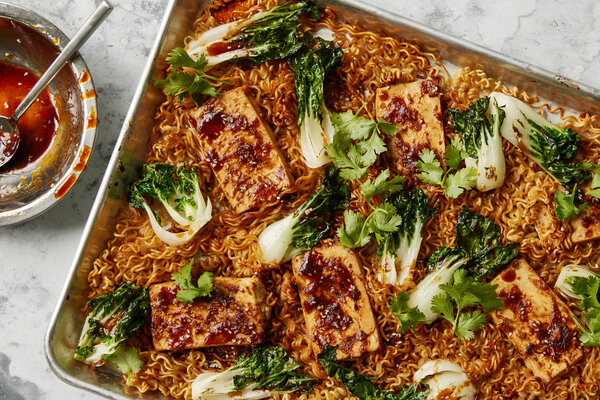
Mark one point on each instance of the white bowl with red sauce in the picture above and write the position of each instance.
(58, 131)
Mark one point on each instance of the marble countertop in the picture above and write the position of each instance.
(35, 257)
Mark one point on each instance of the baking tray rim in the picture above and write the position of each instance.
(388, 15)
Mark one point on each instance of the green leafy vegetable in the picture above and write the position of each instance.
(127, 360)
(265, 372)
(307, 226)
(381, 185)
(463, 293)
(269, 35)
(552, 147)
(430, 171)
(567, 205)
(180, 82)
(311, 64)
(188, 290)
(113, 318)
(359, 385)
(178, 190)
(398, 251)
(408, 317)
(478, 237)
(355, 231)
(595, 185)
(354, 159)
(586, 288)
(483, 142)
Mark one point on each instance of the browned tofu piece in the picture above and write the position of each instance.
(336, 307)
(587, 226)
(415, 108)
(239, 147)
(236, 314)
(536, 321)
(548, 228)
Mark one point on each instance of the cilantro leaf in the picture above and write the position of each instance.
(456, 184)
(188, 291)
(353, 232)
(387, 128)
(371, 148)
(180, 82)
(384, 218)
(381, 185)
(595, 168)
(468, 323)
(354, 159)
(587, 288)
(430, 168)
(455, 153)
(127, 360)
(565, 206)
(408, 317)
(465, 292)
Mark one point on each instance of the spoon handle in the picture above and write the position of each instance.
(71, 48)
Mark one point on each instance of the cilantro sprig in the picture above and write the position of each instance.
(466, 292)
(453, 184)
(126, 359)
(587, 289)
(189, 291)
(357, 142)
(356, 230)
(567, 205)
(180, 82)
(408, 317)
(595, 185)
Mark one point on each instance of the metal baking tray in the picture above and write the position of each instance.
(131, 151)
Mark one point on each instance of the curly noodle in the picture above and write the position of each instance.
(228, 244)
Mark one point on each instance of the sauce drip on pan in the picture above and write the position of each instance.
(37, 126)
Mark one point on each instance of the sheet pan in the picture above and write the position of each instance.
(130, 152)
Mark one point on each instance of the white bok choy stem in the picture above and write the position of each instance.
(445, 378)
(567, 274)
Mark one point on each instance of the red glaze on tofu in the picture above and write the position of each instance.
(239, 147)
(236, 314)
(536, 321)
(415, 107)
(334, 300)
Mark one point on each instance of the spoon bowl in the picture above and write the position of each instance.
(9, 139)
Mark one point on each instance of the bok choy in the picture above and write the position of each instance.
(477, 252)
(305, 228)
(479, 126)
(310, 65)
(113, 318)
(400, 249)
(265, 372)
(267, 35)
(553, 148)
(177, 189)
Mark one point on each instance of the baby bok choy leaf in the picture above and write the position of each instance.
(177, 189)
(265, 372)
(477, 252)
(305, 228)
(479, 126)
(113, 318)
(267, 35)
(553, 148)
(310, 65)
(399, 251)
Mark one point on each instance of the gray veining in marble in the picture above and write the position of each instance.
(35, 256)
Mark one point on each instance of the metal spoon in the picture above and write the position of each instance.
(9, 133)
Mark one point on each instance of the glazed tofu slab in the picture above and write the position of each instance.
(587, 226)
(536, 321)
(239, 147)
(334, 300)
(236, 314)
(415, 107)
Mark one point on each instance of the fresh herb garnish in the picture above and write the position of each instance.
(566, 205)
(587, 289)
(408, 317)
(189, 291)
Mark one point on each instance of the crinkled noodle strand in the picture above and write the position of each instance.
(227, 245)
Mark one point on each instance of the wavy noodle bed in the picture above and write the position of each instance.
(228, 244)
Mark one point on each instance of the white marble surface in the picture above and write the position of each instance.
(35, 257)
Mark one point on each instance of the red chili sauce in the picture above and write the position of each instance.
(37, 126)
